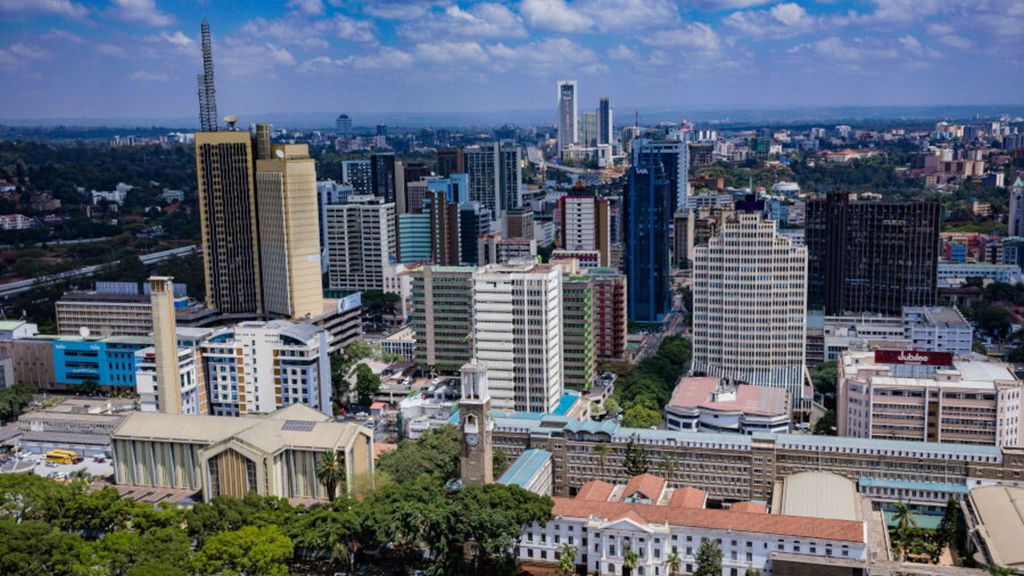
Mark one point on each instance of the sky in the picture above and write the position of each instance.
(124, 59)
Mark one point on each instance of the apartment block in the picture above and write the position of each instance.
(441, 316)
(578, 350)
(361, 242)
(610, 317)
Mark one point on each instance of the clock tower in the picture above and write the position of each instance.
(476, 462)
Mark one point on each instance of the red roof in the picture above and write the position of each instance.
(688, 497)
(696, 391)
(751, 507)
(595, 490)
(736, 521)
(647, 484)
(378, 405)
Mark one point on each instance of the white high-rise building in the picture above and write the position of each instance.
(518, 334)
(749, 305)
(568, 114)
(361, 243)
(483, 163)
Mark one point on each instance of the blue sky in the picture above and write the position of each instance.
(139, 58)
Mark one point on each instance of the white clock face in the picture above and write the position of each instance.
(471, 439)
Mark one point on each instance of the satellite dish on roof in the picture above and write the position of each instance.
(84, 331)
(279, 153)
(231, 120)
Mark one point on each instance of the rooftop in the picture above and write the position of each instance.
(1001, 512)
(525, 468)
(699, 392)
(818, 495)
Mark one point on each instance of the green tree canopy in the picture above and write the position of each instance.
(709, 559)
(640, 416)
(249, 551)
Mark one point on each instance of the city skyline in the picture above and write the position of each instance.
(137, 58)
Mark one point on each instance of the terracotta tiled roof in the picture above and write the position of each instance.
(751, 507)
(688, 497)
(647, 484)
(595, 490)
(794, 526)
(696, 392)
(380, 448)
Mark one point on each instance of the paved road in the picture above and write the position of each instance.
(12, 288)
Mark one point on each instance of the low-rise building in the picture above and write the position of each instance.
(928, 397)
(934, 329)
(430, 408)
(952, 274)
(711, 404)
(272, 455)
(402, 344)
(604, 521)
(995, 524)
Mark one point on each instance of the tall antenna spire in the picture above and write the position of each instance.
(207, 92)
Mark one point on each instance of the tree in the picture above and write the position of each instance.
(674, 564)
(611, 407)
(826, 425)
(567, 559)
(377, 304)
(824, 376)
(249, 551)
(905, 524)
(367, 384)
(436, 453)
(630, 560)
(946, 531)
(709, 559)
(500, 462)
(640, 416)
(993, 320)
(330, 471)
(34, 547)
(636, 462)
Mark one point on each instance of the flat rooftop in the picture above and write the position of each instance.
(698, 392)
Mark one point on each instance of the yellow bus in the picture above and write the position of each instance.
(59, 456)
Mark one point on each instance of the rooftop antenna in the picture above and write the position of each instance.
(207, 92)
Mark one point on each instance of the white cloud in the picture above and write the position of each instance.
(715, 5)
(487, 20)
(308, 7)
(350, 29)
(621, 52)
(779, 21)
(242, 59)
(547, 56)
(914, 46)
(63, 35)
(8, 62)
(29, 52)
(295, 30)
(956, 41)
(178, 39)
(394, 9)
(554, 15)
(111, 50)
(446, 52)
(837, 50)
(694, 35)
(386, 58)
(58, 7)
(141, 12)
(145, 76)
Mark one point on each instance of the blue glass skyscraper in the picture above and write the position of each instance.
(647, 212)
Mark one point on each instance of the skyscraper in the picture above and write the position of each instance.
(510, 177)
(289, 229)
(482, 165)
(579, 359)
(610, 322)
(343, 126)
(451, 161)
(360, 243)
(525, 367)
(749, 305)
(647, 211)
(442, 316)
(590, 132)
(605, 129)
(384, 175)
(474, 221)
(872, 256)
(207, 91)
(227, 217)
(674, 158)
(568, 114)
(444, 229)
(358, 175)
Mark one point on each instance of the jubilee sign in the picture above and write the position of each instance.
(914, 357)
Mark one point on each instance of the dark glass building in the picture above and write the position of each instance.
(382, 175)
(871, 256)
(647, 212)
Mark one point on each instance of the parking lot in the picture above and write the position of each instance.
(39, 466)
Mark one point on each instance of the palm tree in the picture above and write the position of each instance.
(630, 560)
(330, 471)
(674, 564)
(905, 523)
(567, 559)
(602, 449)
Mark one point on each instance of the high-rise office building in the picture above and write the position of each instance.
(455, 186)
(205, 85)
(445, 245)
(749, 305)
(510, 177)
(568, 114)
(674, 158)
(361, 243)
(442, 316)
(524, 363)
(343, 126)
(358, 175)
(591, 127)
(605, 122)
(872, 256)
(579, 358)
(482, 165)
(414, 238)
(227, 216)
(647, 210)
(451, 161)
(289, 227)
(474, 221)
(387, 175)
(610, 318)
(585, 225)
(519, 223)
